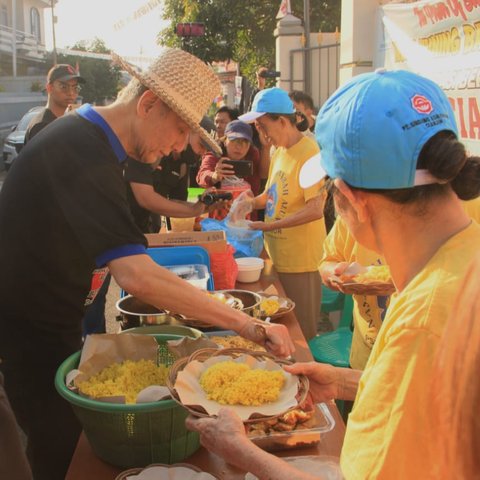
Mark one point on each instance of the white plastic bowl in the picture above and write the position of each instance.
(249, 269)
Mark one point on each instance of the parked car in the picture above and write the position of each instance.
(15, 139)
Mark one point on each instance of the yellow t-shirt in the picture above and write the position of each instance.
(368, 310)
(472, 208)
(295, 249)
(389, 429)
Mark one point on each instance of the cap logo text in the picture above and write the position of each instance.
(422, 104)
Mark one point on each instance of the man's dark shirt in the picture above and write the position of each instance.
(38, 122)
(170, 179)
(63, 214)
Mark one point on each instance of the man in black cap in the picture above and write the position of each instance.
(63, 86)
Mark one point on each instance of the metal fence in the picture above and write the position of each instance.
(324, 63)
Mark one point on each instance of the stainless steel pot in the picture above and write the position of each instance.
(251, 301)
(135, 312)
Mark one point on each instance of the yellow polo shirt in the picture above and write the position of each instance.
(368, 310)
(472, 208)
(389, 429)
(295, 249)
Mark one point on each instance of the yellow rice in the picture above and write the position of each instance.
(269, 306)
(232, 383)
(124, 379)
(235, 341)
(376, 273)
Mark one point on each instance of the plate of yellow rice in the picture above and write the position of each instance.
(252, 384)
(371, 280)
(274, 306)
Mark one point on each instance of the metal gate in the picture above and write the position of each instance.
(324, 62)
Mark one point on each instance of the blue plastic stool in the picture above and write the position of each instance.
(332, 300)
(334, 347)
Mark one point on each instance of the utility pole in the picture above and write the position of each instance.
(306, 58)
(14, 38)
(53, 34)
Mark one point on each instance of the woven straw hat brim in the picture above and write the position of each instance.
(160, 88)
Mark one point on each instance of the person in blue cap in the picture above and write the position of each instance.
(389, 144)
(294, 226)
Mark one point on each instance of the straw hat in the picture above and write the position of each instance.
(186, 84)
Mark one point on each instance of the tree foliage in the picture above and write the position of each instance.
(102, 78)
(240, 31)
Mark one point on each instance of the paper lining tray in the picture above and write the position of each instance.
(300, 437)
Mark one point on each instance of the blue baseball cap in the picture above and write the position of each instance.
(270, 100)
(237, 129)
(372, 129)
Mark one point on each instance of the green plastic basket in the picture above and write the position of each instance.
(132, 435)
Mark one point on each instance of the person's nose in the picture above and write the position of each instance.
(181, 144)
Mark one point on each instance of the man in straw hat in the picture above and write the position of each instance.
(70, 221)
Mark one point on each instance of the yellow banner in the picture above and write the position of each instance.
(439, 40)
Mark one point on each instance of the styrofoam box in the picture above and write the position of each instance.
(195, 274)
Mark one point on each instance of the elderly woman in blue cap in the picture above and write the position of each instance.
(294, 228)
(398, 172)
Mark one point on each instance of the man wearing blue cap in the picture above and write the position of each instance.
(389, 144)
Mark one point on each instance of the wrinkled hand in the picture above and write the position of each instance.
(222, 170)
(223, 435)
(331, 269)
(324, 379)
(273, 336)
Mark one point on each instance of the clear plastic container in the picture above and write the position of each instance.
(321, 423)
(195, 274)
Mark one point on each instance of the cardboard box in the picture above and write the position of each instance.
(213, 242)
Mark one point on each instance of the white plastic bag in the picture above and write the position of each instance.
(241, 207)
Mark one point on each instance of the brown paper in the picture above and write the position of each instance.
(186, 346)
(191, 393)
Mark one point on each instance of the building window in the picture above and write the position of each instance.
(35, 23)
(4, 16)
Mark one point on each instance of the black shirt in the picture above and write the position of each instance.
(169, 178)
(38, 122)
(63, 213)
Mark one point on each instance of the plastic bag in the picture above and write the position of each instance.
(246, 242)
(241, 207)
(224, 268)
(234, 181)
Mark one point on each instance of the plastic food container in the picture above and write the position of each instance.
(195, 274)
(249, 269)
(300, 437)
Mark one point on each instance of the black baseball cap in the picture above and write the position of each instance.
(63, 72)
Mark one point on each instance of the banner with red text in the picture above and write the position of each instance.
(439, 40)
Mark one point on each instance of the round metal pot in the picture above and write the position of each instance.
(251, 301)
(134, 313)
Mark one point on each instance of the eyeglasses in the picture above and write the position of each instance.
(65, 87)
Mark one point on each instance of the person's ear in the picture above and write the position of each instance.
(49, 88)
(146, 103)
(356, 199)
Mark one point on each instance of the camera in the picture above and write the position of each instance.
(269, 74)
(212, 197)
